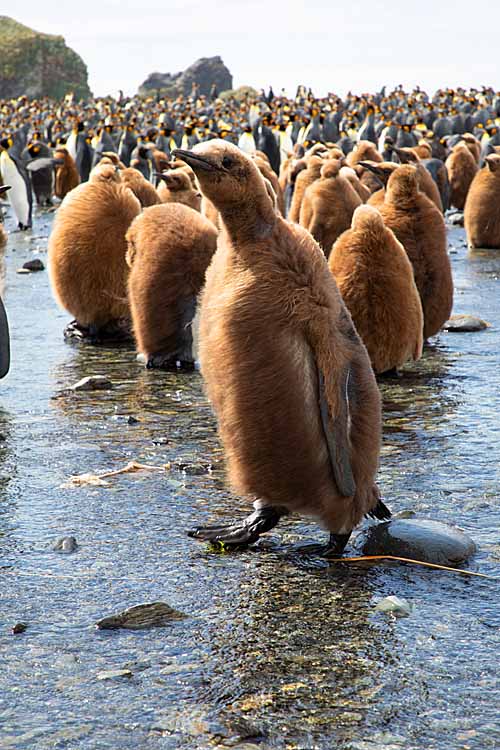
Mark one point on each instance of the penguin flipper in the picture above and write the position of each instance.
(336, 432)
(4, 342)
(41, 163)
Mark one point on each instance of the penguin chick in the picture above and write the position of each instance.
(169, 249)
(328, 206)
(420, 227)
(296, 401)
(363, 151)
(87, 267)
(351, 176)
(176, 187)
(303, 178)
(425, 181)
(141, 188)
(67, 175)
(461, 167)
(375, 278)
(482, 207)
(381, 171)
(269, 174)
(473, 145)
(105, 171)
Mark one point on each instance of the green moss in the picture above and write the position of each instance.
(38, 64)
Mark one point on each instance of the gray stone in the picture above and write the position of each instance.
(19, 627)
(142, 616)
(456, 219)
(395, 605)
(417, 539)
(93, 383)
(34, 265)
(465, 324)
(66, 545)
(113, 674)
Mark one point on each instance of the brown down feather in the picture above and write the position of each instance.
(482, 207)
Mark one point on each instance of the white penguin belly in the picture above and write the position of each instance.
(17, 195)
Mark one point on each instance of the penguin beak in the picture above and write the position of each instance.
(195, 161)
(4, 188)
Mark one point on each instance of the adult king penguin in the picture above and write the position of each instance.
(12, 170)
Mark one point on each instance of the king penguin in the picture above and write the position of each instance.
(13, 172)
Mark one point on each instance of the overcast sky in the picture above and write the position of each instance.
(330, 46)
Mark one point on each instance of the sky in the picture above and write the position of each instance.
(359, 46)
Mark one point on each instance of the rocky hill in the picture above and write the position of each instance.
(206, 71)
(36, 64)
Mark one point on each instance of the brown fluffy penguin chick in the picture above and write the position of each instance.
(3, 236)
(362, 151)
(473, 145)
(269, 174)
(361, 189)
(302, 179)
(419, 226)
(328, 206)
(423, 150)
(178, 164)
(482, 207)
(296, 401)
(169, 250)
(176, 187)
(67, 175)
(87, 247)
(111, 157)
(381, 172)
(425, 181)
(141, 188)
(375, 279)
(462, 168)
(105, 171)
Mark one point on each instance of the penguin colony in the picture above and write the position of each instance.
(308, 234)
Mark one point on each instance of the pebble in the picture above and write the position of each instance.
(93, 383)
(395, 606)
(465, 324)
(19, 627)
(417, 539)
(142, 616)
(34, 265)
(112, 674)
(23, 270)
(66, 545)
(456, 219)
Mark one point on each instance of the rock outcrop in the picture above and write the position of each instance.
(205, 72)
(35, 64)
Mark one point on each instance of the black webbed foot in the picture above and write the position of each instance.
(243, 533)
(334, 548)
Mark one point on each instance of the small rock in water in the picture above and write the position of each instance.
(34, 265)
(66, 545)
(93, 383)
(23, 270)
(112, 674)
(19, 627)
(465, 324)
(456, 219)
(155, 615)
(395, 606)
(417, 539)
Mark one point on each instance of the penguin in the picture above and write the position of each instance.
(67, 176)
(367, 129)
(86, 250)
(439, 174)
(13, 172)
(269, 174)
(176, 187)
(169, 250)
(461, 167)
(363, 150)
(328, 206)
(142, 160)
(42, 179)
(303, 178)
(266, 142)
(419, 226)
(482, 206)
(425, 181)
(142, 188)
(473, 145)
(80, 150)
(127, 144)
(290, 381)
(375, 278)
(361, 189)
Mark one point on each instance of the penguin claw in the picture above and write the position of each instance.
(334, 548)
(240, 534)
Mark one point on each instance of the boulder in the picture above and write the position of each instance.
(206, 72)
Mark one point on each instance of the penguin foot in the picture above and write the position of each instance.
(392, 373)
(114, 332)
(243, 533)
(335, 547)
(22, 227)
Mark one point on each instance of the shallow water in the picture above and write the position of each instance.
(277, 651)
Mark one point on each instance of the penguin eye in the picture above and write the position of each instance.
(227, 162)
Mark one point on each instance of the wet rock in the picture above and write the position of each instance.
(395, 606)
(456, 219)
(66, 545)
(132, 420)
(193, 469)
(465, 324)
(417, 539)
(34, 265)
(93, 383)
(142, 616)
(19, 627)
(113, 674)
(23, 270)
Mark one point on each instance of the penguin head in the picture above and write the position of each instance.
(493, 163)
(227, 176)
(402, 184)
(366, 218)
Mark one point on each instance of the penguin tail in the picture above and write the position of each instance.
(380, 511)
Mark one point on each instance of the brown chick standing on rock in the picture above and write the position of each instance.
(169, 250)
(482, 207)
(328, 206)
(419, 226)
(67, 175)
(296, 400)
(87, 247)
(176, 187)
(375, 279)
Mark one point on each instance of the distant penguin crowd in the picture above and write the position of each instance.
(303, 238)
